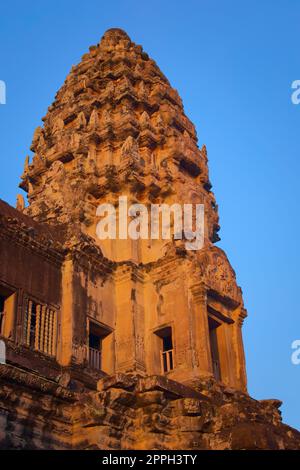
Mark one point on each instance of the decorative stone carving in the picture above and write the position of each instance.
(117, 127)
(130, 147)
(20, 204)
(94, 120)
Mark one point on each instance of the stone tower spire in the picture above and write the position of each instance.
(138, 341)
(116, 127)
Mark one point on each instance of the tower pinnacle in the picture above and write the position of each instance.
(116, 127)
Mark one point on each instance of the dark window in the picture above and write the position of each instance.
(167, 342)
(96, 337)
(95, 342)
(214, 348)
(167, 351)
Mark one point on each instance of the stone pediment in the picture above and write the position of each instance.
(218, 275)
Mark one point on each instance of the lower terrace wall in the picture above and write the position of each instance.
(130, 412)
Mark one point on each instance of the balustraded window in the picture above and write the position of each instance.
(97, 334)
(166, 349)
(95, 351)
(40, 327)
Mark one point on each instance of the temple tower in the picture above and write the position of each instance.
(118, 128)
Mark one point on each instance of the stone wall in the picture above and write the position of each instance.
(130, 412)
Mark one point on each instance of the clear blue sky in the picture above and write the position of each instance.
(233, 63)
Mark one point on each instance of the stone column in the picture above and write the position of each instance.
(226, 353)
(64, 347)
(241, 376)
(202, 363)
(9, 316)
(108, 355)
(129, 331)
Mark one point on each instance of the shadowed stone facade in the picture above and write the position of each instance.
(120, 343)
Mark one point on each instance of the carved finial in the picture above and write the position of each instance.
(20, 203)
(58, 125)
(36, 138)
(94, 120)
(130, 146)
(142, 89)
(81, 120)
(26, 164)
(114, 36)
(145, 119)
(37, 133)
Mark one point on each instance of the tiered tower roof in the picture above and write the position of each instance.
(116, 126)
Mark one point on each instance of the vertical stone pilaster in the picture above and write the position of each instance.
(129, 332)
(9, 316)
(226, 353)
(108, 354)
(202, 363)
(138, 310)
(241, 376)
(64, 350)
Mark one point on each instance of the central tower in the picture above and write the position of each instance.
(117, 128)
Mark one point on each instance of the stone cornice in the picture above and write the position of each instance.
(36, 382)
(29, 238)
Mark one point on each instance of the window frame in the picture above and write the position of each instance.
(55, 326)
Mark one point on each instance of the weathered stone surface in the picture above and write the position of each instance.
(118, 418)
(117, 127)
